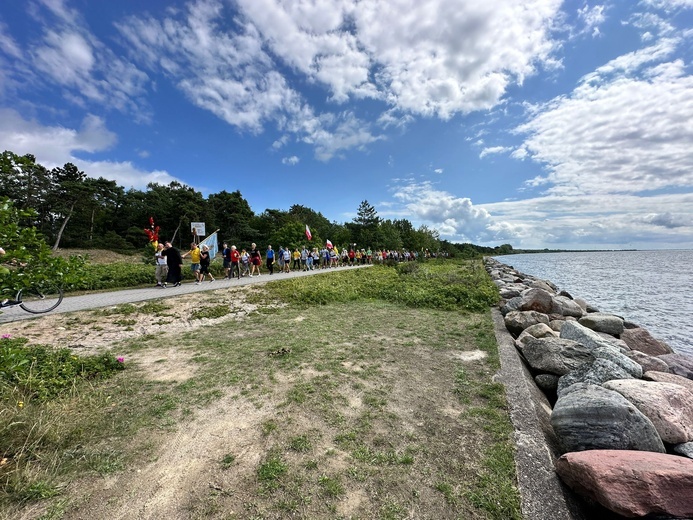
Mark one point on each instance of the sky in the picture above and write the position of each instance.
(536, 123)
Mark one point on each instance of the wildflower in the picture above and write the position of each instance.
(120, 359)
(20, 404)
(6, 336)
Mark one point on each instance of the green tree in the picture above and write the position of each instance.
(28, 259)
(233, 216)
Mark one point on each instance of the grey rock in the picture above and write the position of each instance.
(590, 417)
(555, 355)
(640, 339)
(602, 322)
(685, 449)
(623, 361)
(517, 321)
(513, 304)
(573, 330)
(596, 373)
(566, 307)
(667, 405)
(544, 285)
(540, 330)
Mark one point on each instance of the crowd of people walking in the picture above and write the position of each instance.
(248, 262)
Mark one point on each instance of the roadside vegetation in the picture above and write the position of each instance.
(356, 394)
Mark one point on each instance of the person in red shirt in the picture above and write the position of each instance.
(235, 266)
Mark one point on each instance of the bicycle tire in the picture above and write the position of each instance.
(40, 300)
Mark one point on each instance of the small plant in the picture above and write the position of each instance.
(301, 444)
(228, 460)
(331, 487)
(270, 470)
(211, 312)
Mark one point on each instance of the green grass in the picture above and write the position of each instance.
(349, 409)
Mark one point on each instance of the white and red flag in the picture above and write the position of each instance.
(308, 235)
(328, 244)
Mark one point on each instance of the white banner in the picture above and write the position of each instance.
(199, 228)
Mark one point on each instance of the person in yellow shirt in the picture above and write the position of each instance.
(195, 259)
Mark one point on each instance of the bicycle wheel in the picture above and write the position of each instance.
(38, 300)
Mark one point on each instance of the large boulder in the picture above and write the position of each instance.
(631, 483)
(679, 364)
(590, 417)
(616, 357)
(666, 377)
(595, 373)
(640, 339)
(667, 405)
(517, 321)
(536, 300)
(555, 355)
(547, 382)
(540, 330)
(648, 363)
(564, 306)
(573, 330)
(513, 304)
(602, 322)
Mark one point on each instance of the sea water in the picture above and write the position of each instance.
(651, 288)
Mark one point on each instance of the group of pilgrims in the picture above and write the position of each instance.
(285, 260)
(247, 262)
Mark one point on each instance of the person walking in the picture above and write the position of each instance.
(245, 263)
(287, 260)
(255, 260)
(161, 270)
(174, 261)
(235, 266)
(205, 260)
(195, 261)
(269, 258)
(226, 255)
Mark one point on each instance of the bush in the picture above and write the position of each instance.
(42, 373)
(440, 284)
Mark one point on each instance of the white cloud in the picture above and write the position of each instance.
(455, 217)
(592, 17)
(626, 129)
(492, 150)
(53, 146)
(292, 161)
(438, 171)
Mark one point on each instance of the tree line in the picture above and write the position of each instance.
(72, 210)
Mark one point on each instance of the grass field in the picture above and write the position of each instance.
(364, 394)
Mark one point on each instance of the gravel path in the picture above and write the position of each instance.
(108, 299)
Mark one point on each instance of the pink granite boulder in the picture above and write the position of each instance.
(667, 405)
(631, 483)
(640, 339)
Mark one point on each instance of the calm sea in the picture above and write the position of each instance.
(651, 288)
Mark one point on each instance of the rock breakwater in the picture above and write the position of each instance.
(618, 394)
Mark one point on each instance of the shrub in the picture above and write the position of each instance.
(43, 373)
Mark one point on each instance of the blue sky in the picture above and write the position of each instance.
(538, 123)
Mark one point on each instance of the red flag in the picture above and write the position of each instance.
(328, 244)
(308, 235)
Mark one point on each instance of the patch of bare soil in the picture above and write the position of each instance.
(95, 331)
